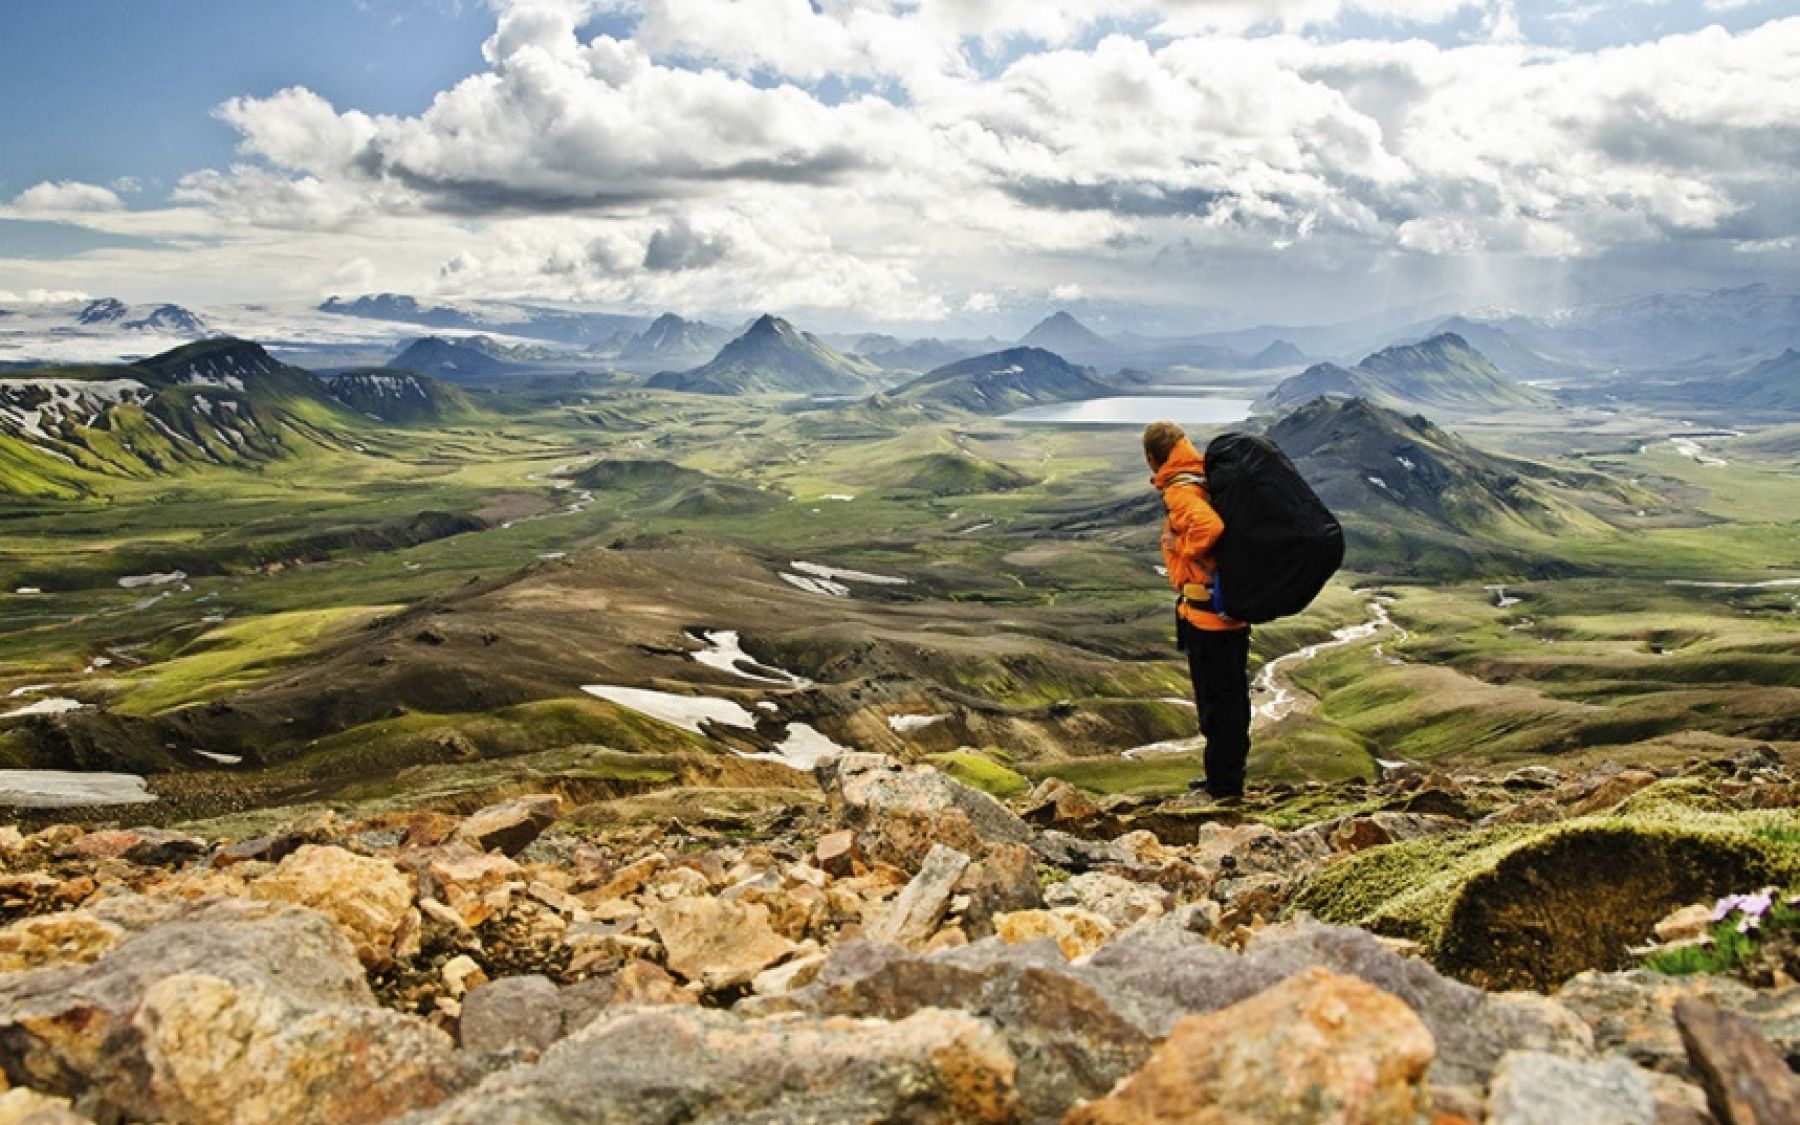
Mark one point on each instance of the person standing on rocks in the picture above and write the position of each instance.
(1218, 648)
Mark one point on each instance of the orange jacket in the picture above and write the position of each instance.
(1190, 532)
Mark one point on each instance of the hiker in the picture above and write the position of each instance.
(1217, 647)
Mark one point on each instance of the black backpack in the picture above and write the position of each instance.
(1281, 544)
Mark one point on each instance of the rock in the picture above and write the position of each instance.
(146, 847)
(1633, 1013)
(913, 916)
(510, 826)
(1357, 833)
(1533, 1088)
(636, 984)
(837, 854)
(1003, 880)
(512, 1012)
(1532, 777)
(220, 1052)
(1068, 1041)
(705, 1067)
(1598, 795)
(1057, 804)
(629, 879)
(1747, 1081)
(257, 849)
(899, 813)
(1686, 923)
(717, 943)
(65, 1030)
(369, 899)
(1075, 931)
(1317, 1047)
(28, 1107)
(1120, 901)
(1159, 972)
(461, 973)
(797, 973)
(72, 937)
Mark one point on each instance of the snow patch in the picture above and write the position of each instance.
(62, 789)
(838, 574)
(906, 724)
(725, 652)
(45, 707)
(138, 581)
(684, 711)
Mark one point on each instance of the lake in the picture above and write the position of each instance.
(1136, 410)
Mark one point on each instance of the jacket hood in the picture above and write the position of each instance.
(1184, 458)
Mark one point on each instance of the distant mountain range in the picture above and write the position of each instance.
(772, 356)
(1441, 373)
(466, 360)
(218, 402)
(576, 328)
(671, 340)
(1002, 382)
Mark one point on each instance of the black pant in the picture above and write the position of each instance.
(1218, 662)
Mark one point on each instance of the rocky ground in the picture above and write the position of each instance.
(894, 946)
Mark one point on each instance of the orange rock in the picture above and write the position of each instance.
(1316, 1048)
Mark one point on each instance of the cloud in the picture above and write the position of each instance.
(64, 196)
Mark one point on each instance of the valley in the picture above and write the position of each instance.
(403, 575)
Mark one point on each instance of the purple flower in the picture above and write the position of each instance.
(1756, 905)
(1725, 906)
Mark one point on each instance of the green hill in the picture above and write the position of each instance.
(222, 402)
(773, 356)
(399, 397)
(1442, 373)
(1001, 382)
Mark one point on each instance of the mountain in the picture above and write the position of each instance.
(1773, 384)
(398, 397)
(670, 339)
(1504, 350)
(774, 356)
(1279, 353)
(465, 359)
(1063, 334)
(1415, 496)
(1443, 372)
(218, 402)
(916, 355)
(1003, 381)
(1668, 332)
(562, 326)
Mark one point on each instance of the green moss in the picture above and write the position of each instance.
(1160, 775)
(1529, 906)
(981, 772)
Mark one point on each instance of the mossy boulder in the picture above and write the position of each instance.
(1529, 906)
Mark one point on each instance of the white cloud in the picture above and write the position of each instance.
(63, 196)
(874, 156)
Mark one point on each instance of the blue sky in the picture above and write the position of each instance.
(900, 162)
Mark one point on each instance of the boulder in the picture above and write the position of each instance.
(663, 1066)
(1317, 1047)
(1068, 1041)
(716, 942)
(512, 1012)
(1747, 1081)
(28, 1107)
(1075, 931)
(65, 1031)
(837, 854)
(70, 937)
(511, 826)
(915, 913)
(1120, 901)
(1057, 804)
(1633, 1013)
(1533, 1088)
(369, 899)
(1004, 879)
(221, 1052)
(147, 847)
(898, 813)
(1157, 973)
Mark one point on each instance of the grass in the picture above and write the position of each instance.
(980, 771)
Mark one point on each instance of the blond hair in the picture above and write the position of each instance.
(1160, 440)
